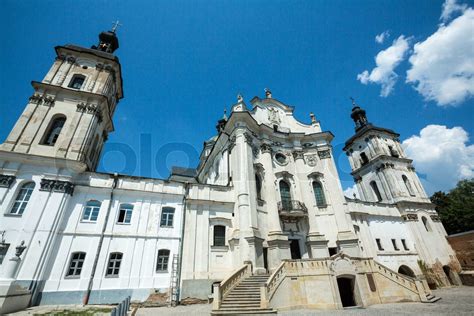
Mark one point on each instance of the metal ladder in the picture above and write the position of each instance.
(174, 286)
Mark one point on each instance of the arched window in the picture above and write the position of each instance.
(285, 195)
(75, 264)
(375, 188)
(219, 235)
(258, 184)
(426, 223)
(319, 194)
(163, 259)
(54, 130)
(125, 214)
(408, 185)
(22, 198)
(364, 158)
(113, 266)
(77, 81)
(91, 211)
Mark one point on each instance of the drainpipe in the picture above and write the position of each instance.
(101, 240)
(181, 241)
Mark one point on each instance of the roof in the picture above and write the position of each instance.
(367, 128)
(181, 171)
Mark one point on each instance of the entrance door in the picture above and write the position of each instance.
(265, 258)
(447, 271)
(295, 249)
(346, 291)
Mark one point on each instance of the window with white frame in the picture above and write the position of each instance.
(163, 259)
(75, 264)
(113, 266)
(22, 198)
(167, 215)
(125, 214)
(91, 211)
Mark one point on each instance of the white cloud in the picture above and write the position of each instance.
(442, 66)
(350, 191)
(442, 154)
(382, 36)
(386, 61)
(449, 8)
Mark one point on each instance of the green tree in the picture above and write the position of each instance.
(456, 208)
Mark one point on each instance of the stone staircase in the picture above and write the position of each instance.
(430, 298)
(244, 298)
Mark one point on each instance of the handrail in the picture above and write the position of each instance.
(291, 206)
(407, 278)
(222, 289)
(274, 280)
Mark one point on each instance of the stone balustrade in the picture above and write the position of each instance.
(222, 289)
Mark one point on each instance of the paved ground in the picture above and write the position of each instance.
(454, 301)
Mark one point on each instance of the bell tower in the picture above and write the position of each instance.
(380, 168)
(69, 115)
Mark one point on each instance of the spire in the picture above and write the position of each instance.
(358, 115)
(268, 93)
(108, 41)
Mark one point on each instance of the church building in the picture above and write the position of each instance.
(260, 225)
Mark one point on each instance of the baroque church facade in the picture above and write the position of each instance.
(265, 201)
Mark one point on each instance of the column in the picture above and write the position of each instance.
(278, 245)
(250, 241)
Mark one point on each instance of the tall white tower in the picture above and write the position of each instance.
(379, 165)
(384, 174)
(69, 115)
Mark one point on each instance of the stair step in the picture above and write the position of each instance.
(432, 299)
(240, 304)
(240, 309)
(251, 312)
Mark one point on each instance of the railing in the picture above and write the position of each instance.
(292, 207)
(403, 280)
(275, 279)
(122, 308)
(222, 289)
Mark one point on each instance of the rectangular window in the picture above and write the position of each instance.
(3, 252)
(113, 267)
(379, 244)
(163, 259)
(167, 215)
(76, 263)
(404, 243)
(219, 235)
(395, 246)
(125, 214)
(91, 211)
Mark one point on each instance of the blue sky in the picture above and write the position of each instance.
(185, 61)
